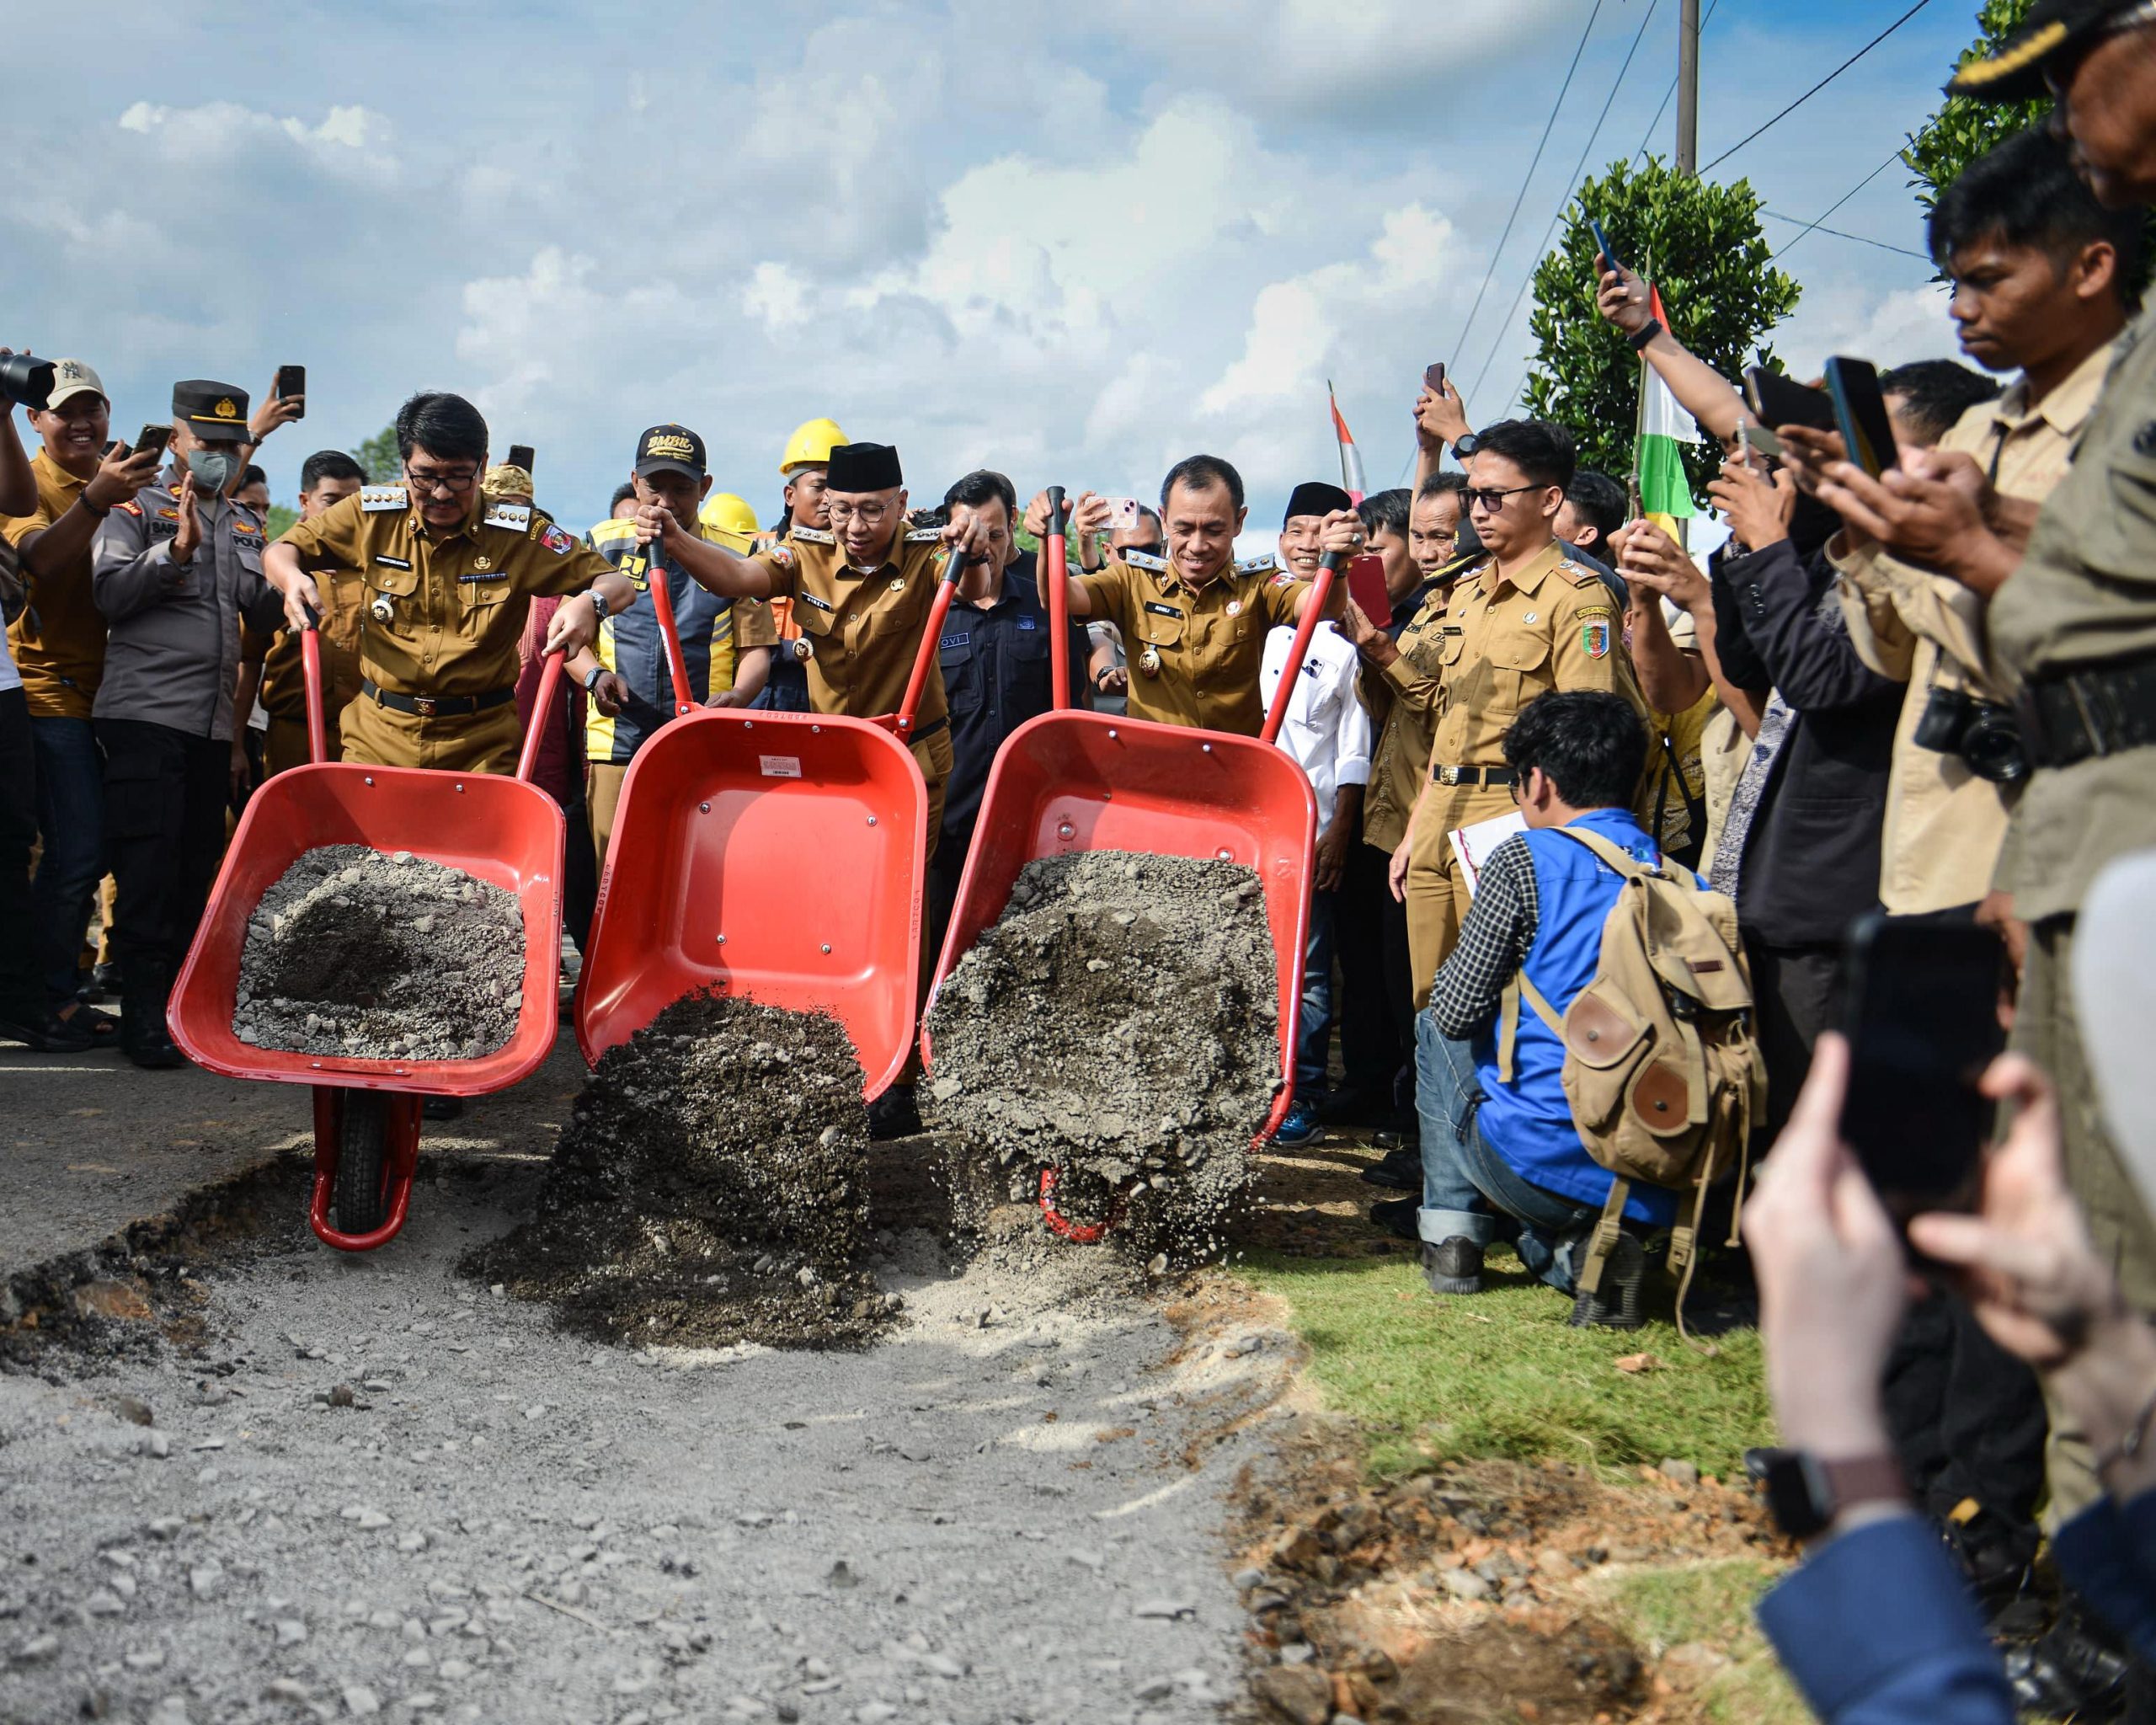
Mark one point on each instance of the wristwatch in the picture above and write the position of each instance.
(1805, 1494)
(592, 676)
(1464, 448)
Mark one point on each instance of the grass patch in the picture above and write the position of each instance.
(1712, 1603)
(1502, 1375)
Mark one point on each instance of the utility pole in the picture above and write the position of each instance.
(1688, 89)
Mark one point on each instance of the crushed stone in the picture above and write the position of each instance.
(1119, 1024)
(710, 1189)
(357, 953)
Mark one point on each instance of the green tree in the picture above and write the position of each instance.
(281, 517)
(1962, 130)
(378, 458)
(1701, 245)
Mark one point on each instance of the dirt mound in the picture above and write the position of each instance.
(355, 953)
(1118, 1024)
(711, 1188)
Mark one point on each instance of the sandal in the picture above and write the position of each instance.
(50, 1035)
(103, 1029)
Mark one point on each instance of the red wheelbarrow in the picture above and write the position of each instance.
(1072, 780)
(775, 855)
(506, 831)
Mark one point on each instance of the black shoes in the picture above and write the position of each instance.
(1616, 1305)
(1454, 1266)
(1401, 1169)
(1397, 1217)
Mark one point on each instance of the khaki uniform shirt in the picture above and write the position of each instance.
(2083, 597)
(1944, 825)
(1502, 642)
(284, 683)
(59, 641)
(455, 601)
(1207, 642)
(864, 628)
(1403, 700)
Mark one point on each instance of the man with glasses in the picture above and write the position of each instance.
(449, 578)
(1526, 620)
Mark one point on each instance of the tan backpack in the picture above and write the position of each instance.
(1662, 1067)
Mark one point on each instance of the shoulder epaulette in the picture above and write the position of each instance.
(516, 517)
(1142, 560)
(919, 536)
(1260, 565)
(375, 498)
(812, 536)
(1579, 574)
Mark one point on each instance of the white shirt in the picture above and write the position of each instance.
(10, 678)
(1327, 728)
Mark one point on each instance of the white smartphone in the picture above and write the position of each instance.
(1122, 515)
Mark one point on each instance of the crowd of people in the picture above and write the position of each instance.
(1924, 692)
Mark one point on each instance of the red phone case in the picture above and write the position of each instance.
(1366, 587)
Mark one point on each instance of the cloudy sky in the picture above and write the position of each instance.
(1073, 241)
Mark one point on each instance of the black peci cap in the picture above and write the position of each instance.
(864, 466)
(2015, 73)
(670, 449)
(1314, 497)
(212, 410)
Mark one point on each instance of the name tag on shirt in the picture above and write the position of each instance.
(959, 640)
(820, 603)
(1160, 610)
(393, 563)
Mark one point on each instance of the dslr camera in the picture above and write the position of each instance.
(1985, 734)
(27, 381)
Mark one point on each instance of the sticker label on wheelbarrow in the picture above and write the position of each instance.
(780, 766)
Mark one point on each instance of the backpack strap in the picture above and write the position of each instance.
(1509, 1020)
(1603, 1240)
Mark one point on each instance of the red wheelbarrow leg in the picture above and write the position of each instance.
(400, 1161)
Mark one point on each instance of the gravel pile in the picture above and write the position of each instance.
(712, 1189)
(1119, 1024)
(356, 952)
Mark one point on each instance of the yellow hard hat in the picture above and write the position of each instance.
(810, 446)
(725, 513)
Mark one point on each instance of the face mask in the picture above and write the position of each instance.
(213, 470)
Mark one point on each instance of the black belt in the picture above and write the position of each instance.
(1471, 775)
(2088, 712)
(437, 706)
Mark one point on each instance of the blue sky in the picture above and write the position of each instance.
(1073, 242)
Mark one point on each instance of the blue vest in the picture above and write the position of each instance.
(1528, 1122)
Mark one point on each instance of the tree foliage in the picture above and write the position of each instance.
(378, 459)
(282, 515)
(1963, 129)
(1702, 244)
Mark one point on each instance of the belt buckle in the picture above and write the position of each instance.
(1447, 775)
(423, 705)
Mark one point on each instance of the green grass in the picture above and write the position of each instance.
(1502, 1375)
(1712, 1602)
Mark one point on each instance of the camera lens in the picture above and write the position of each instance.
(1946, 715)
(27, 381)
(1992, 745)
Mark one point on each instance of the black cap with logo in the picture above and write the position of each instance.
(670, 449)
(209, 409)
(2053, 29)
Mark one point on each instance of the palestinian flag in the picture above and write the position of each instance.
(1350, 459)
(1665, 491)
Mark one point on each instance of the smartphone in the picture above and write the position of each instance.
(1861, 415)
(519, 455)
(1602, 244)
(152, 439)
(1922, 1016)
(1433, 377)
(1783, 401)
(291, 381)
(1759, 438)
(1122, 514)
(1366, 587)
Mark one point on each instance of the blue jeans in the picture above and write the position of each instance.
(1314, 1025)
(71, 822)
(1469, 1191)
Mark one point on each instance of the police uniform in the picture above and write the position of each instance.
(1195, 649)
(1502, 643)
(863, 628)
(438, 646)
(164, 705)
(284, 680)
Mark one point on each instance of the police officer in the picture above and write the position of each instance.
(449, 578)
(1194, 622)
(173, 571)
(726, 645)
(1526, 620)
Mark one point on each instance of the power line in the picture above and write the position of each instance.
(1527, 179)
(1784, 251)
(1816, 88)
(1837, 233)
(1571, 185)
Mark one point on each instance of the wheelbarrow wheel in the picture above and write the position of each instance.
(362, 1152)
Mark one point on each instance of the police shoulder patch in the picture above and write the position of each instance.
(1143, 560)
(132, 509)
(812, 536)
(375, 498)
(514, 517)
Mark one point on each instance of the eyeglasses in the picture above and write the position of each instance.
(452, 483)
(1489, 498)
(869, 515)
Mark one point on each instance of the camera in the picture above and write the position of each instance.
(1985, 734)
(27, 381)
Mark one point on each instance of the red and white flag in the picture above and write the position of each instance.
(1350, 459)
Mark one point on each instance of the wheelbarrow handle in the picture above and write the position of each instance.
(1313, 614)
(954, 566)
(318, 722)
(1055, 546)
(549, 685)
(662, 601)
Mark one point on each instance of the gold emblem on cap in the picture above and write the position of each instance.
(227, 408)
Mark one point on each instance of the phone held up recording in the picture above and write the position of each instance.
(291, 384)
(1861, 415)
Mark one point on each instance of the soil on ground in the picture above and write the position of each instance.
(1119, 1025)
(356, 952)
(710, 1189)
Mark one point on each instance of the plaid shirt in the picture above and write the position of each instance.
(1494, 943)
